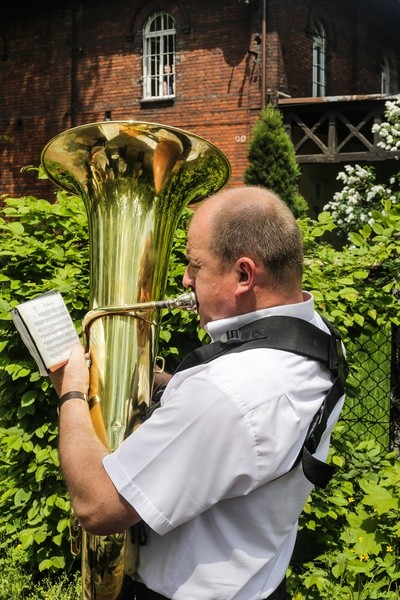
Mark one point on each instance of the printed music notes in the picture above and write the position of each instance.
(47, 330)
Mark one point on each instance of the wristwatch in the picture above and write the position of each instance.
(70, 396)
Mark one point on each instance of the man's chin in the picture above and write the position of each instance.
(203, 320)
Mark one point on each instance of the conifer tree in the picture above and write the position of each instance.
(272, 160)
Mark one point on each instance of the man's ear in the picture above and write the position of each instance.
(246, 269)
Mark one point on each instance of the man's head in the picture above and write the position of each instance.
(245, 253)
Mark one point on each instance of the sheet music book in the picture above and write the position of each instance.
(47, 330)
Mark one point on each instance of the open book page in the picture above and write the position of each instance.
(46, 328)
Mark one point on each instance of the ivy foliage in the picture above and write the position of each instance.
(272, 160)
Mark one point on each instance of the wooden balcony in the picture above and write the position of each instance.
(335, 129)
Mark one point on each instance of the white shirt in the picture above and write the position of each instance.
(208, 472)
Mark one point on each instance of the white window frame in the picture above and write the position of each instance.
(159, 34)
(389, 76)
(319, 60)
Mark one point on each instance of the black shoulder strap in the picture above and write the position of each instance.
(289, 334)
(280, 333)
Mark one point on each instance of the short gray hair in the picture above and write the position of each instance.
(255, 222)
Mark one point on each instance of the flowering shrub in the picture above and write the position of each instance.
(353, 206)
(389, 130)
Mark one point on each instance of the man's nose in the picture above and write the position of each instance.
(186, 280)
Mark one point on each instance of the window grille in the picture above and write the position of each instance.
(319, 61)
(159, 56)
(389, 76)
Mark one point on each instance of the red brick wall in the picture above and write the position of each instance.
(64, 70)
(358, 33)
(67, 66)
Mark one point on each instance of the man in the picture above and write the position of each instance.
(210, 472)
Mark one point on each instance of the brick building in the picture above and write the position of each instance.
(207, 67)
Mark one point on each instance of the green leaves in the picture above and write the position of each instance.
(16, 227)
(43, 247)
(354, 285)
(29, 397)
(56, 562)
(355, 521)
(376, 496)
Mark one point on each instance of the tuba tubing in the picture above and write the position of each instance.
(135, 180)
(184, 301)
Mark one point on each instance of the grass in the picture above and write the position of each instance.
(16, 583)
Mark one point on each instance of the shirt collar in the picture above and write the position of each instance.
(301, 310)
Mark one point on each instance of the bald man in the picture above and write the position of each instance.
(210, 473)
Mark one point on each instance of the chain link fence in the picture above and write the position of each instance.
(372, 406)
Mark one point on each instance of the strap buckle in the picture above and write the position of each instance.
(231, 337)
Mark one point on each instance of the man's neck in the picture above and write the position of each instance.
(270, 299)
(304, 309)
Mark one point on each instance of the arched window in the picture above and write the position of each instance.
(159, 56)
(389, 75)
(319, 60)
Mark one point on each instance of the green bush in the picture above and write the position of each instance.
(348, 541)
(44, 246)
(272, 160)
(356, 287)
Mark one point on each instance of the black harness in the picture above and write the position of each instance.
(289, 334)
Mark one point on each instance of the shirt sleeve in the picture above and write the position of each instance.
(186, 457)
(222, 432)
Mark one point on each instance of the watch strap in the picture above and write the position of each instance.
(71, 395)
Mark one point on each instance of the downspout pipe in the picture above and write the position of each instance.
(264, 54)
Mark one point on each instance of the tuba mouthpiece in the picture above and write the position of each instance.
(185, 301)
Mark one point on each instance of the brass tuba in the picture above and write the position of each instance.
(135, 180)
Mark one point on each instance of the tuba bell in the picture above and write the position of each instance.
(135, 180)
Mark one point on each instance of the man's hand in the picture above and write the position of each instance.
(74, 376)
(160, 378)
